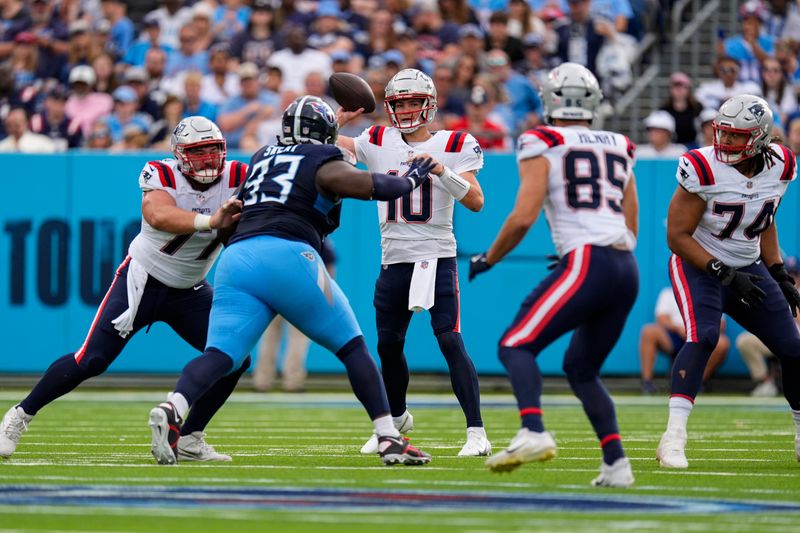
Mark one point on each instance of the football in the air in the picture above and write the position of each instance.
(352, 92)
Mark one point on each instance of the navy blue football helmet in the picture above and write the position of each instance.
(308, 120)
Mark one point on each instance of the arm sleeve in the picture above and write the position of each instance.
(157, 176)
(471, 156)
(688, 178)
(362, 147)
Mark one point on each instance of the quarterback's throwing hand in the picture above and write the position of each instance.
(478, 265)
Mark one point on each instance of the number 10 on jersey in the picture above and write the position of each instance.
(416, 206)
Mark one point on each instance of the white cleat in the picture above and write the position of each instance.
(193, 447)
(618, 475)
(15, 423)
(765, 389)
(477, 444)
(797, 447)
(671, 451)
(403, 423)
(526, 447)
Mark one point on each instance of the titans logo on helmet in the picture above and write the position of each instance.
(325, 111)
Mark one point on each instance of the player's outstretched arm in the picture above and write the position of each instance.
(161, 212)
(339, 179)
(342, 118)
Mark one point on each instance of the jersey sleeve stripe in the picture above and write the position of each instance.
(790, 163)
(455, 142)
(550, 137)
(631, 147)
(164, 174)
(236, 174)
(701, 166)
(376, 135)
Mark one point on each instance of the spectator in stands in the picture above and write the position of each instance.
(122, 31)
(161, 132)
(126, 111)
(472, 42)
(783, 20)
(202, 14)
(220, 84)
(83, 48)
(660, 129)
(317, 85)
(464, 72)
(134, 138)
(706, 120)
(15, 17)
(409, 45)
(149, 38)
(85, 105)
(582, 36)
(53, 122)
(450, 108)
(534, 66)
(526, 106)
(786, 54)
(20, 139)
(617, 12)
(287, 15)
(499, 109)
(274, 80)
(230, 18)
(171, 17)
(252, 105)
(297, 60)
(155, 63)
(105, 77)
(490, 136)
(99, 137)
(51, 38)
(189, 56)
(712, 94)
(751, 47)
(793, 133)
(498, 38)
(342, 62)
(194, 104)
(329, 29)
(149, 103)
(458, 12)
(778, 93)
(667, 335)
(24, 61)
(684, 108)
(257, 42)
(436, 37)
(380, 35)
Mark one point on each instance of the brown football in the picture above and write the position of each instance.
(352, 92)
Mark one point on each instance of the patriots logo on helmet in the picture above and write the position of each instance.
(323, 110)
(179, 128)
(757, 110)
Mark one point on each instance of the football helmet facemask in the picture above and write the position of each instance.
(192, 134)
(410, 84)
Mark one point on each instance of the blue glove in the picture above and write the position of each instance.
(419, 170)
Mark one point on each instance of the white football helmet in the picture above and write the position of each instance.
(743, 114)
(570, 92)
(191, 134)
(410, 84)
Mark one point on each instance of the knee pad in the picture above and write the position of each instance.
(93, 365)
(450, 342)
(708, 336)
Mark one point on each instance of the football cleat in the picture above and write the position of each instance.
(477, 444)
(797, 447)
(618, 475)
(165, 427)
(403, 423)
(526, 447)
(394, 450)
(15, 423)
(193, 447)
(671, 451)
(765, 389)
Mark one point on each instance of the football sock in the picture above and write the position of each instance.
(181, 404)
(395, 375)
(384, 427)
(688, 368)
(526, 381)
(679, 410)
(60, 378)
(463, 377)
(201, 373)
(364, 377)
(599, 408)
(209, 403)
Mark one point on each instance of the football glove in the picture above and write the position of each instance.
(478, 265)
(786, 283)
(742, 284)
(419, 169)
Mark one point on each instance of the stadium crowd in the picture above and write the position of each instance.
(119, 75)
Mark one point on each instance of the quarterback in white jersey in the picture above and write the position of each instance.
(726, 257)
(419, 269)
(583, 179)
(185, 201)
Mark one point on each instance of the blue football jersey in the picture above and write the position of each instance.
(280, 195)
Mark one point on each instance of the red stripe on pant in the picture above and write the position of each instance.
(457, 328)
(680, 287)
(82, 350)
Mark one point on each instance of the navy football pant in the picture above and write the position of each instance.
(702, 300)
(591, 291)
(393, 317)
(186, 311)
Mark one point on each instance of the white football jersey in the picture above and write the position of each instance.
(182, 261)
(589, 171)
(738, 208)
(420, 224)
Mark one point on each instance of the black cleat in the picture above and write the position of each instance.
(165, 427)
(394, 450)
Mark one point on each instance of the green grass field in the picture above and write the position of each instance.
(85, 465)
